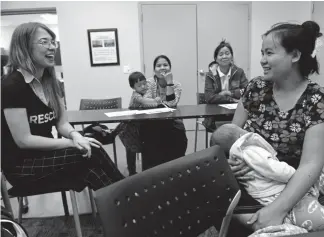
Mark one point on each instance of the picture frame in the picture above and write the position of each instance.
(103, 47)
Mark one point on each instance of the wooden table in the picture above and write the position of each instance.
(183, 112)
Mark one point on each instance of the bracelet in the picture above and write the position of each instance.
(69, 136)
(170, 84)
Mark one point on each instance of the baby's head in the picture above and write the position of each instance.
(226, 135)
(137, 81)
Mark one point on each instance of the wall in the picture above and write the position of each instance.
(264, 15)
(84, 81)
(74, 18)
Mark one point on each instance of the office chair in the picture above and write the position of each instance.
(183, 197)
(95, 104)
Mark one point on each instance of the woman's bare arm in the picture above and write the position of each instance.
(17, 121)
(240, 115)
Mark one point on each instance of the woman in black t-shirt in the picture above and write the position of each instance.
(31, 104)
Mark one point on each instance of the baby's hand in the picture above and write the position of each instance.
(158, 100)
(235, 159)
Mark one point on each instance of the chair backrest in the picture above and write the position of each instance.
(201, 98)
(183, 197)
(93, 104)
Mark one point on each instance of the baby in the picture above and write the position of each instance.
(270, 175)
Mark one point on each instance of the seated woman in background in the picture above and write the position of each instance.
(163, 140)
(31, 104)
(224, 80)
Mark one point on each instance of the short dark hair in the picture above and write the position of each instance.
(135, 77)
(301, 37)
(221, 45)
(161, 56)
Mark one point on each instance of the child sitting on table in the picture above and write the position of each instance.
(270, 175)
(129, 131)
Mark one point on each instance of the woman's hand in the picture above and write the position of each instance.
(267, 216)
(239, 169)
(168, 77)
(84, 144)
(158, 100)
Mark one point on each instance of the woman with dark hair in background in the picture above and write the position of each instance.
(31, 104)
(224, 80)
(163, 140)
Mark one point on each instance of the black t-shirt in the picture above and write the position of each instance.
(16, 93)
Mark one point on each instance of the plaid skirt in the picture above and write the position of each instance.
(95, 172)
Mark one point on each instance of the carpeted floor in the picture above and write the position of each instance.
(62, 227)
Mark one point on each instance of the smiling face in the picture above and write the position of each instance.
(224, 57)
(43, 57)
(162, 67)
(275, 61)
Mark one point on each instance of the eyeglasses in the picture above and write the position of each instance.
(47, 43)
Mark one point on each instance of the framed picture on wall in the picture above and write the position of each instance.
(103, 46)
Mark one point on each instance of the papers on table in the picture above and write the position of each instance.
(133, 112)
(121, 113)
(229, 106)
(155, 111)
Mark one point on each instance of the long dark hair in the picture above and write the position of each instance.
(301, 37)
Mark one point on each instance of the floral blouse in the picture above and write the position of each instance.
(284, 130)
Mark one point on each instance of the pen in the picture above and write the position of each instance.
(165, 105)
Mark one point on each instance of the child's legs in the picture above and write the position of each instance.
(308, 213)
(130, 137)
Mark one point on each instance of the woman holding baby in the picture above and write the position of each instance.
(287, 110)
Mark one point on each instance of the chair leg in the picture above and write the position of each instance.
(76, 214)
(93, 208)
(196, 134)
(115, 152)
(225, 224)
(5, 195)
(20, 209)
(92, 202)
(206, 139)
(65, 205)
